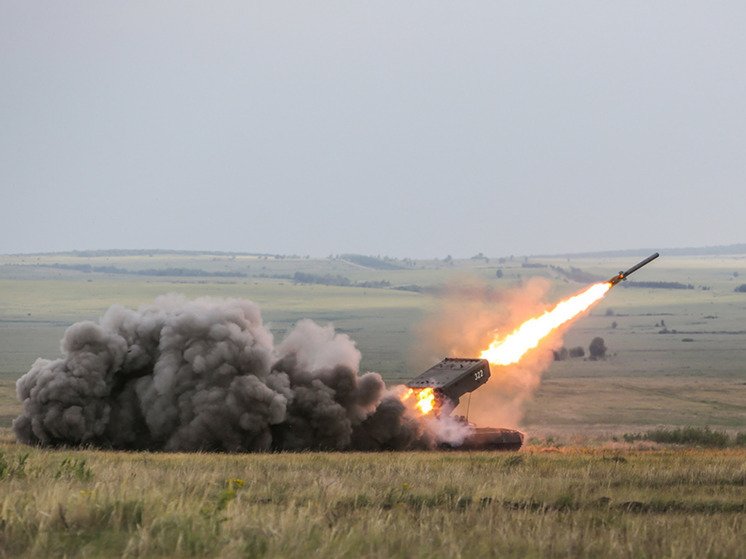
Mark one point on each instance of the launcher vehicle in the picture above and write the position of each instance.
(452, 378)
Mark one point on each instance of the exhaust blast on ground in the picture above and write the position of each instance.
(182, 375)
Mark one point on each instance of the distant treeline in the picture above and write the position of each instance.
(372, 262)
(657, 284)
(153, 252)
(576, 274)
(390, 263)
(117, 252)
(181, 272)
(338, 280)
(718, 250)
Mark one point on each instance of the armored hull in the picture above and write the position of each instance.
(493, 438)
(489, 438)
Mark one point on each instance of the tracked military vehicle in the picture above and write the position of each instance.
(450, 380)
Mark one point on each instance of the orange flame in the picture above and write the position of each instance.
(425, 399)
(527, 336)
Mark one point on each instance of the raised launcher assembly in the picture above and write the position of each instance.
(452, 378)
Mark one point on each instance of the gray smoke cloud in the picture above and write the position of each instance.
(183, 375)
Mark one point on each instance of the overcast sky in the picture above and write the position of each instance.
(408, 129)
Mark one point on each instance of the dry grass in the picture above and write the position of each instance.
(574, 503)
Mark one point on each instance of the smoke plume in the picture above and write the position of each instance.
(464, 323)
(183, 375)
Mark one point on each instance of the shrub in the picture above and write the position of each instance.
(597, 348)
(560, 354)
(694, 436)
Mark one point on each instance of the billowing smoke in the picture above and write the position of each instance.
(206, 375)
(468, 316)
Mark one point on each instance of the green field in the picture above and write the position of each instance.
(579, 488)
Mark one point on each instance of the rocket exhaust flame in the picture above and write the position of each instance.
(527, 336)
(510, 349)
(425, 399)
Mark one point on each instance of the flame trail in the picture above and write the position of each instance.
(527, 336)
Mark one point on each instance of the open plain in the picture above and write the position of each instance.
(676, 348)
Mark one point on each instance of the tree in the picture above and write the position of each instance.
(597, 349)
(560, 354)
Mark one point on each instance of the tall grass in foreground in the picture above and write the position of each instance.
(574, 503)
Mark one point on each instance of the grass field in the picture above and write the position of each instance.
(536, 503)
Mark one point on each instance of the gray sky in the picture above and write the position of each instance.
(395, 128)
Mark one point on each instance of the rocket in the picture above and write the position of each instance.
(623, 275)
